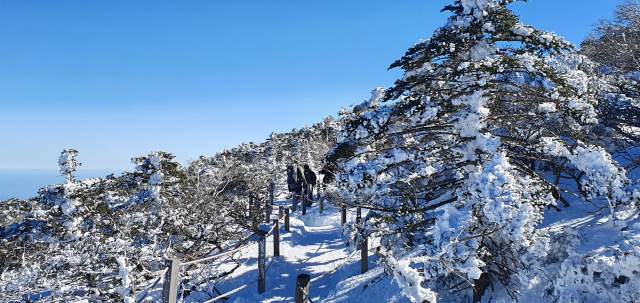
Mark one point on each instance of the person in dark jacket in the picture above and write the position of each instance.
(310, 176)
(329, 171)
(295, 178)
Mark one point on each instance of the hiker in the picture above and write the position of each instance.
(310, 176)
(295, 179)
(329, 171)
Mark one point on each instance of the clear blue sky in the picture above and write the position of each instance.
(118, 79)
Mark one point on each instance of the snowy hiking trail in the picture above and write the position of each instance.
(314, 246)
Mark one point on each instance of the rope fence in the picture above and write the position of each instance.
(170, 286)
(331, 206)
(305, 294)
(230, 252)
(333, 270)
(220, 255)
(146, 292)
(231, 292)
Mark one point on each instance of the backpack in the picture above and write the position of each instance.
(292, 176)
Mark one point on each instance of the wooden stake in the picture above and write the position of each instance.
(276, 237)
(262, 261)
(171, 281)
(304, 204)
(272, 187)
(364, 254)
(302, 284)
(286, 219)
(294, 202)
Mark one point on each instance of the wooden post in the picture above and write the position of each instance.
(276, 237)
(270, 210)
(280, 211)
(267, 213)
(171, 281)
(364, 255)
(286, 219)
(272, 187)
(262, 261)
(304, 204)
(302, 284)
(344, 214)
(294, 202)
(321, 205)
(358, 219)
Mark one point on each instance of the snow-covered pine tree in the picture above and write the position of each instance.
(450, 167)
(68, 164)
(158, 177)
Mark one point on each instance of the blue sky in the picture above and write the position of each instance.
(118, 79)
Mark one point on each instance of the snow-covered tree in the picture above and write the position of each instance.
(451, 167)
(616, 43)
(68, 164)
(615, 46)
(619, 114)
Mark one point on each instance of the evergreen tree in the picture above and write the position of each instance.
(68, 164)
(450, 167)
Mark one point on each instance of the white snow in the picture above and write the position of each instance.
(523, 31)
(547, 107)
(481, 50)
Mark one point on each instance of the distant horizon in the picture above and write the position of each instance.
(78, 169)
(25, 183)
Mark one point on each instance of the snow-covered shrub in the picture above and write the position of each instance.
(84, 239)
(588, 268)
(13, 211)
